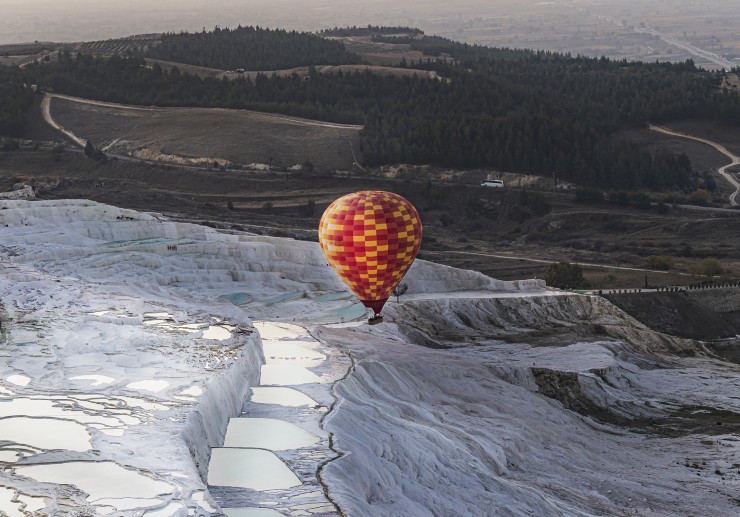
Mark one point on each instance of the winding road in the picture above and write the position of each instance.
(721, 148)
(46, 111)
(81, 142)
(282, 118)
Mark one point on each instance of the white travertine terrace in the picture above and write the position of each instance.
(130, 338)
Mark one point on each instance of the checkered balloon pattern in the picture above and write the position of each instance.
(371, 239)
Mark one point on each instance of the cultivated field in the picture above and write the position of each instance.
(202, 136)
(137, 43)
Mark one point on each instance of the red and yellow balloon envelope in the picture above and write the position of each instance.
(371, 239)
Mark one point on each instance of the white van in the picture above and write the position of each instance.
(492, 183)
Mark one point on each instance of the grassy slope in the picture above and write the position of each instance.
(239, 136)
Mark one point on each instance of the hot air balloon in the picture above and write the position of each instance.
(370, 239)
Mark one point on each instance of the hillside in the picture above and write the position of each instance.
(688, 314)
(514, 110)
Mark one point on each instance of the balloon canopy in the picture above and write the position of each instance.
(370, 239)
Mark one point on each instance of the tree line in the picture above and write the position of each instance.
(515, 110)
(371, 30)
(15, 98)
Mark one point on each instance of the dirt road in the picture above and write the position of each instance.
(721, 148)
(281, 118)
(240, 138)
(46, 111)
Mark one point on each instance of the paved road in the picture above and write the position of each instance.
(721, 148)
(685, 45)
(545, 261)
(688, 47)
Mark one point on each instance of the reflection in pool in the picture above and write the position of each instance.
(149, 385)
(19, 380)
(45, 433)
(106, 482)
(280, 396)
(218, 333)
(256, 469)
(252, 512)
(97, 380)
(11, 507)
(168, 511)
(267, 433)
(286, 375)
(298, 352)
(271, 330)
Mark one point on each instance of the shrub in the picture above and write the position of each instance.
(523, 197)
(707, 267)
(701, 197)
(10, 145)
(400, 290)
(589, 195)
(640, 200)
(661, 262)
(539, 204)
(670, 198)
(619, 198)
(565, 275)
(309, 209)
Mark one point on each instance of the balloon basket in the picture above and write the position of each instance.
(375, 320)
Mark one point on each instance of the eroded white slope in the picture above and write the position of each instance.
(483, 430)
(118, 343)
(127, 337)
(135, 332)
(108, 408)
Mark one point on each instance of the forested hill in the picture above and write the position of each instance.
(251, 48)
(514, 110)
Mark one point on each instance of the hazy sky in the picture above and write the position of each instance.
(77, 20)
(591, 27)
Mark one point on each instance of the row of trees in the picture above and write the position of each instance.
(370, 30)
